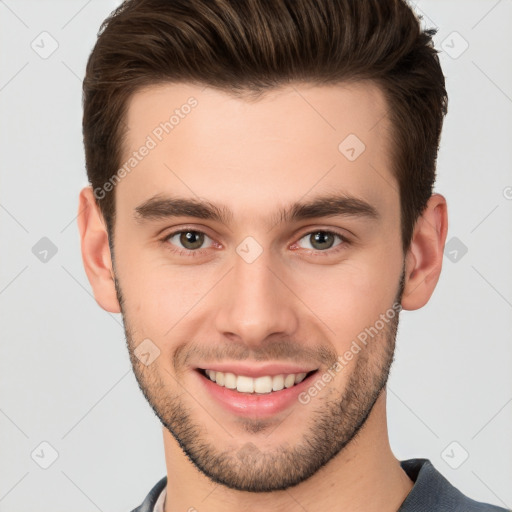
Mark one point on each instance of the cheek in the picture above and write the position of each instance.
(159, 297)
(351, 296)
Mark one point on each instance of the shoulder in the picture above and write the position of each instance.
(433, 492)
(150, 500)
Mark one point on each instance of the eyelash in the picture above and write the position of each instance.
(199, 252)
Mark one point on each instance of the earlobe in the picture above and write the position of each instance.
(96, 252)
(424, 258)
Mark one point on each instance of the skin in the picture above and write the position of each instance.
(295, 300)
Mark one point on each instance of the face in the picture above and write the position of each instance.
(257, 244)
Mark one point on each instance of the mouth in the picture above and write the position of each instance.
(253, 390)
(261, 385)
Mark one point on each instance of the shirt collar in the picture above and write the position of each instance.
(429, 491)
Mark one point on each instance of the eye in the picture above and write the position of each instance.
(189, 239)
(320, 240)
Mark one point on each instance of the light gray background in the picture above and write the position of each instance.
(65, 374)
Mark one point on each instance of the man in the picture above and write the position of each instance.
(260, 211)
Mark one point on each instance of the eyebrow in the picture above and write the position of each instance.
(159, 207)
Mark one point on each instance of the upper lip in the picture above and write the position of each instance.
(252, 370)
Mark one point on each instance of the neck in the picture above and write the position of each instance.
(364, 476)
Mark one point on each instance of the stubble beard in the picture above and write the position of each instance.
(335, 420)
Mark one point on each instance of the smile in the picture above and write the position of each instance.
(258, 385)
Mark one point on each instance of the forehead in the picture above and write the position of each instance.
(290, 142)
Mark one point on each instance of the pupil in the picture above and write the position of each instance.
(321, 240)
(191, 239)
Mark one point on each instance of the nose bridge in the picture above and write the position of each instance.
(254, 302)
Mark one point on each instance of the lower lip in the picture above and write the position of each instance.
(254, 404)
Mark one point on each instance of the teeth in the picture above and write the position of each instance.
(261, 385)
(289, 381)
(299, 377)
(230, 380)
(277, 383)
(244, 384)
(219, 378)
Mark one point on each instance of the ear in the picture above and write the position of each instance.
(424, 257)
(96, 251)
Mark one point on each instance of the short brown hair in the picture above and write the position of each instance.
(250, 46)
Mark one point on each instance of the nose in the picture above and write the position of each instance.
(255, 302)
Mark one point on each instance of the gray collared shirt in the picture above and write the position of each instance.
(431, 493)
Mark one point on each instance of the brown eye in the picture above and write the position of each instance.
(188, 239)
